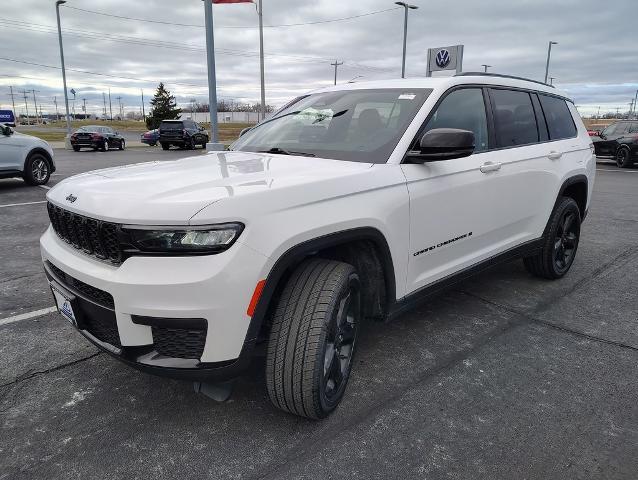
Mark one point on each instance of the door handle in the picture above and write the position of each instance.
(490, 167)
(554, 155)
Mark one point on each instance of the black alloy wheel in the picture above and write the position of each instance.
(623, 158)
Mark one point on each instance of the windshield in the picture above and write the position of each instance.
(352, 125)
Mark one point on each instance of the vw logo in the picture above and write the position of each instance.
(442, 58)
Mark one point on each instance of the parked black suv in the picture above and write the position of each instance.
(182, 133)
(619, 141)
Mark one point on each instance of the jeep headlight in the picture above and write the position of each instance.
(205, 239)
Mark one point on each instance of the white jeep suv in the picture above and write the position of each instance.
(24, 156)
(352, 203)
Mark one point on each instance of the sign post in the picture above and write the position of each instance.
(445, 58)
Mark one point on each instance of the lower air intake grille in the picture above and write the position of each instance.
(179, 342)
(96, 295)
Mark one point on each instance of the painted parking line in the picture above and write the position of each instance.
(21, 204)
(45, 187)
(27, 316)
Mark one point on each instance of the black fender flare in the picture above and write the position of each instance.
(580, 178)
(42, 151)
(294, 255)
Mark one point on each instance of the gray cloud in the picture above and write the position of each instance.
(595, 67)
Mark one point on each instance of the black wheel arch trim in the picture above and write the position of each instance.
(295, 254)
(580, 178)
(41, 151)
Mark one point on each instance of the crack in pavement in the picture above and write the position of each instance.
(598, 272)
(31, 374)
(536, 320)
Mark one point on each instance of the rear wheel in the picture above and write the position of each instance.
(560, 243)
(165, 146)
(312, 341)
(190, 144)
(623, 158)
(105, 145)
(37, 170)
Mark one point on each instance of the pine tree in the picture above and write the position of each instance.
(164, 108)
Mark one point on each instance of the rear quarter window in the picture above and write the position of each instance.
(559, 119)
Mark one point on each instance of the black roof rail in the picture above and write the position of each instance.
(499, 75)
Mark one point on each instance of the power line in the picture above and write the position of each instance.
(283, 25)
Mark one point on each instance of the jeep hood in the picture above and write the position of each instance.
(172, 192)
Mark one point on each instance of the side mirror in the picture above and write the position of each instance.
(443, 144)
(245, 130)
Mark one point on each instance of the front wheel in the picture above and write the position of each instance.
(122, 144)
(76, 149)
(312, 340)
(165, 146)
(623, 158)
(105, 145)
(560, 243)
(37, 170)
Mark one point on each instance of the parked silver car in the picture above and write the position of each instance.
(24, 156)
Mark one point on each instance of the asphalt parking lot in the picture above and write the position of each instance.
(505, 376)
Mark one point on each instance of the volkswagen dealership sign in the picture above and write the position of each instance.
(445, 58)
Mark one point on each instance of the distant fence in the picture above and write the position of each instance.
(223, 117)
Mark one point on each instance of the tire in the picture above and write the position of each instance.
(623, 158)
(122, 144)
(560, 242)
(165, 146)
(190, 144)
(76, 149)
(105, 146)
(37, 169)
(313, 337)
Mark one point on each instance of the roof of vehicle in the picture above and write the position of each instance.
(443, 83)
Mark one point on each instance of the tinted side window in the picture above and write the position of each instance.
(464, 109)
(559, 119)
(514, 118)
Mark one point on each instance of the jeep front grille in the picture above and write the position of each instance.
(94, 237)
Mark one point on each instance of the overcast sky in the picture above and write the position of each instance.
(596, 60)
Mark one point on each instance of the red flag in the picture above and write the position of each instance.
(232, 1)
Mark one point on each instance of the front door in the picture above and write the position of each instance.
(451, 200)
(11, 147)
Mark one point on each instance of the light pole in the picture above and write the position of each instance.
(485, 67)
(549, 54)
(214, 144)
(260, 12)
(551, 80)
(635, 102)
(406, 6)
(66, 95)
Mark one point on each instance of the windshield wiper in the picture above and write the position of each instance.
(281, 151)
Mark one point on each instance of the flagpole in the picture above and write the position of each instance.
(214, 144)
(261, 60)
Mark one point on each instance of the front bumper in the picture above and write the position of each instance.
(115, 303)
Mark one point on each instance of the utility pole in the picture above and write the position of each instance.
(549, 54)
(57, 115)
(104, 100)
(119, 102)
(635, 102)
(36, 105)
(336, 65)
(84, 107)
(66, 95)
(13, 103)
(143, 110)
(261, 59)
(485, 67)
(110, 105)
(598, 114)
(406, 6)
(617, 110)
(26, 105)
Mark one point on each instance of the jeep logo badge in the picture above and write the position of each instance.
(71, 198)
(442, 58)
